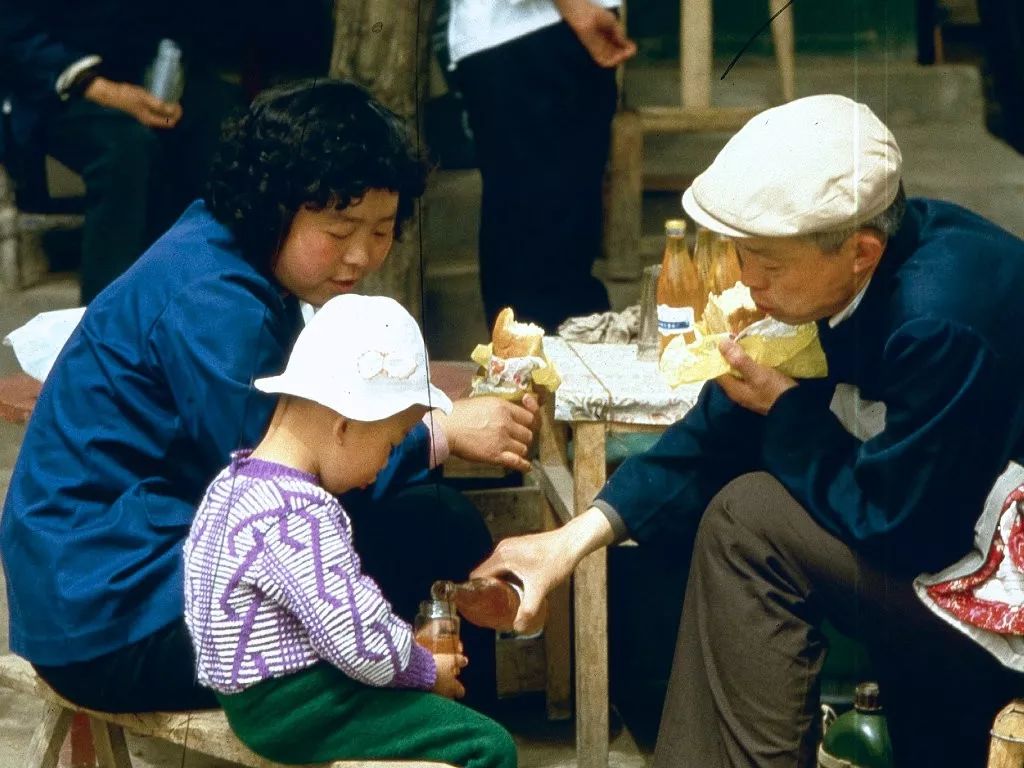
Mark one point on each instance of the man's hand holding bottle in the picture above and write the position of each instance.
(135, 101)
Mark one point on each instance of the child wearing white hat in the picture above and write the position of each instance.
(300, 646)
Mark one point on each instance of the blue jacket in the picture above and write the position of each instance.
(937, 339)
(141, 410)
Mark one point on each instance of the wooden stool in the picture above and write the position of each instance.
(204, 732)
(695, 114)
(1006, 749)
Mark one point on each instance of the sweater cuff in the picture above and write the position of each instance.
(421, 671)
(68, 78)
(438, 440)
(619, 529)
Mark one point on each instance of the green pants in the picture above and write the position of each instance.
(320, 714)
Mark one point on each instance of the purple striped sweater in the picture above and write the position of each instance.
(273, 585)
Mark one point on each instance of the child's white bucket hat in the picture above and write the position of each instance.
(361, 356)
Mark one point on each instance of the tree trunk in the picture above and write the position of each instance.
(384, 46)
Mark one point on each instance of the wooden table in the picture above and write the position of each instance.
(604, 388)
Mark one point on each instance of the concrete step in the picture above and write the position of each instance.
(899, 92)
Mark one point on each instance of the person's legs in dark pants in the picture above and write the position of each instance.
(541, 111)
(419, 535)
(744, 688)
(157, 673)
(118, 158)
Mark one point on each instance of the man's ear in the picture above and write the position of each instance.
(869, 245)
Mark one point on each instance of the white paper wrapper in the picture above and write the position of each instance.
(37, 343)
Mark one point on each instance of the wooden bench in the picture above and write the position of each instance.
(203, 732)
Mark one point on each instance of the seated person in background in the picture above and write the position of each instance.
(75, 72)
(153, 391)
(828, 498)
(308, 659)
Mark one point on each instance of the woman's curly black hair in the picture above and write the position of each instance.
(310, 143)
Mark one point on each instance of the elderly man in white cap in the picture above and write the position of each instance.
(825, 499)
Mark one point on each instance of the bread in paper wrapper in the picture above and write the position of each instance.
(791, 349)
(514, 362)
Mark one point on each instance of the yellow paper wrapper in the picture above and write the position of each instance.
(545, 375)
(792, 350)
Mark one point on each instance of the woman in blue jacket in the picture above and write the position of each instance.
(154, 390)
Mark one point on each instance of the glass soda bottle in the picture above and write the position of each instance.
(680, 295)
(436, 626)
(725, 264)
(486, 601)
(704, 259)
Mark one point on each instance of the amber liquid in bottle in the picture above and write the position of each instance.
(680, 294)
(487, 601)
(725, 264)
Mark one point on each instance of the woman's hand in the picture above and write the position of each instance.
(133, 100)
(449, 665)
(491, 430)
(544, 560)
(599, 30)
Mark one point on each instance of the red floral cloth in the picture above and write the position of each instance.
(992, 597)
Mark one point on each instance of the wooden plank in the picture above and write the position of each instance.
(111, 750)
(558, 642)
(555, 480)
(689, 119)
(521, 664)
(623, 198)
(552, 441)
(44, 749)
(695, 45)
(590, 594)
(510, 511)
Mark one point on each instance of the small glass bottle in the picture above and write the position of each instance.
(680, 295)
(487, 601)
(436, 626)
(165, 78)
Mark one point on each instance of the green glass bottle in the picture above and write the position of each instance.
(858, 738)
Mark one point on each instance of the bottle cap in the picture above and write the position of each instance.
(168, 48)
(866, 697)
(675, 227)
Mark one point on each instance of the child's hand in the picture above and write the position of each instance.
(448, 667)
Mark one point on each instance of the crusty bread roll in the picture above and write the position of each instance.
(731, 311)
(513, 339)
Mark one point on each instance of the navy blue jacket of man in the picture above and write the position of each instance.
(939, 340)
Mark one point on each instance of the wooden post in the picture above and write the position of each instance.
(1007, 747)
(384, 46)
(695, 52)
(590, 596)
(782, 39)
(624, 198)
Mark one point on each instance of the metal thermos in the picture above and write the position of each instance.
(858, 738)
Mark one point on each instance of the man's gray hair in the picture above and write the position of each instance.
(887, 222)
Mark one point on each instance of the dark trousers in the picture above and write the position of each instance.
(744, 689)
(138, 180)
(405, 542)
(540, 110)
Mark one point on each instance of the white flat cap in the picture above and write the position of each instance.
(817, 164)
